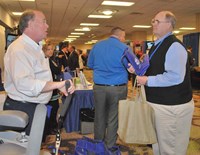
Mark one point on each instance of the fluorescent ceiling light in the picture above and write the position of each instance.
(17, 13)
(73, 36)
(176, 32)
(94, 41)
(89, 24)
(77, 33)
(117, 3)
(99, 16)
(86, 28)
(70, 38)
(28, 0)
(142, 26)
(88, 43)
(187, 28)
(91, 42)
(82, 29)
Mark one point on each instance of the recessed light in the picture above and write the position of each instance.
(107, 11)
(99, 16)
(117, 3)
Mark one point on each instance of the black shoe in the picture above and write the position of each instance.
(114, 150)
(53, 131)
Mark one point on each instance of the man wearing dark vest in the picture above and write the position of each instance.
(168, 88)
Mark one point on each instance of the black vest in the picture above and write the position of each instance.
(172, 95)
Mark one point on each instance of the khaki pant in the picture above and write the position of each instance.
(173, 125)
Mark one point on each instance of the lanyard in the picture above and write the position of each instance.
(158, 46)
(155, 50)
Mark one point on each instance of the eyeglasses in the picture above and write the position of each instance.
(156, 21)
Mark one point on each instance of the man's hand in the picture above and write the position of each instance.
(142, 80)
(70, 90)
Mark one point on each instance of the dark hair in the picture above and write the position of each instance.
(73, 47)
(80, 51)
(63, 45)
(25, 18)
(116, 30)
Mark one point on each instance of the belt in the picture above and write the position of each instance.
(117, 85)
(16, 101)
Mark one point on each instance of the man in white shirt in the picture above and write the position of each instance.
(28, 79)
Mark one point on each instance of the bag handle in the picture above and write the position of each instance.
(143, 92)
(140, 90)
(134, 89)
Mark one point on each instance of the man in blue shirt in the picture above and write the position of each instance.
(110, 84)
(168, 88)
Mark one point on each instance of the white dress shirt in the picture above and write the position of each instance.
(26, 71)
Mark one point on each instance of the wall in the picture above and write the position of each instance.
(135, 36)
(138, 36)
(5, 22)
(2, 45)
(6, 19)
(84, 47)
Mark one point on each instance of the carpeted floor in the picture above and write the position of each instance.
(69, 139)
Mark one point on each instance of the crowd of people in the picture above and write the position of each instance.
(31, 78)
(66, 59)
(69, 58)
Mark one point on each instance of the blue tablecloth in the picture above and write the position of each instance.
(80, 99)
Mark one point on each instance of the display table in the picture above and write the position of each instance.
(80, 99)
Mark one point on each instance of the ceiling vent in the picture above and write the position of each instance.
(136, 13)
(109, 26)
(167, 0)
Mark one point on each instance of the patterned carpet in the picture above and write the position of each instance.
(69, 139)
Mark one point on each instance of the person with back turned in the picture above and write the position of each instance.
(110, 84)
(168, 88)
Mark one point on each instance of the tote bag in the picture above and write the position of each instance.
(136, 125)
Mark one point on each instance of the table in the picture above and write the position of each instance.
(80, 99)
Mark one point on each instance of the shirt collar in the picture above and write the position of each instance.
(160, 39)
(114, 37)
(31, 41)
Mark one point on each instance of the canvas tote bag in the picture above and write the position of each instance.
(136, 125)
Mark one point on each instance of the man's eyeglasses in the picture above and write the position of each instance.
(156, 21)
